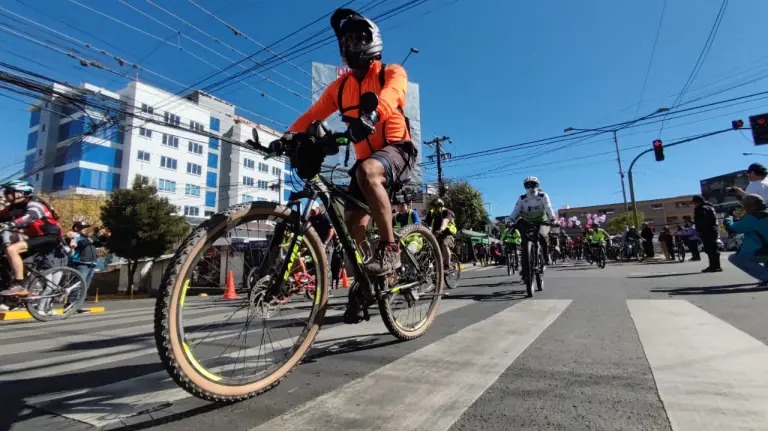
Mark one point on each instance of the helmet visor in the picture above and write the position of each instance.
(530, 184)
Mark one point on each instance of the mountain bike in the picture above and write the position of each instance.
(510, 256)
(230, 371)
(597, 255)
(532, 257)
(56, 292)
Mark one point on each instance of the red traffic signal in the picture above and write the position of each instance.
(759, 125)
(737, 124)
(658, 150)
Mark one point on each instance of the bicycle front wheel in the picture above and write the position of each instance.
(681, 253)
(231, 349)
(410, 306)
(528, 267)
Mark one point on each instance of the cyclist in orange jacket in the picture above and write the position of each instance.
(382, 140)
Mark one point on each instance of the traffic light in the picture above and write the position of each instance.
(658, 150)
(737, 124)
(759, 125)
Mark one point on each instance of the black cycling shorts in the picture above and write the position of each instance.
(397, 159)
(41, 244)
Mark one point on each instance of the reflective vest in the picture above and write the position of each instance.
(396, 223)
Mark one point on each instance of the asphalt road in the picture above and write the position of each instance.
(638, 346)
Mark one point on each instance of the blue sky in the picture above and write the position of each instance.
(491, 73)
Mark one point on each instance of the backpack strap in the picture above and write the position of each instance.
(382, 76)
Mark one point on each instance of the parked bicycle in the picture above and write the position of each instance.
(56, 292)
(232, 371)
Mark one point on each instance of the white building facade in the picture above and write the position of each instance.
(164, 139)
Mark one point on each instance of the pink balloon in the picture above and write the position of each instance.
(570, 224)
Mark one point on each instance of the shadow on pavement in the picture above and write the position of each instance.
(349, 345)
(714, 290)
(13, 394)
(666, 275)
(507, 295)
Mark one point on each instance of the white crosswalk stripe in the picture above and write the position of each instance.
(103, 405)
(709, 374)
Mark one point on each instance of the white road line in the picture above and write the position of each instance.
(430, 388)
(103, 405)
(709, 374)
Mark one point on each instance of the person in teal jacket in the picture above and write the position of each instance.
(753, 254)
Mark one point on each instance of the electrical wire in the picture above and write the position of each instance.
(653, 53)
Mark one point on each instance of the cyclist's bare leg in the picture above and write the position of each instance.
(357, 221)
(13, 253)
(371, 177)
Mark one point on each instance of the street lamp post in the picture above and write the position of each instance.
(412, 51)
(616, 145)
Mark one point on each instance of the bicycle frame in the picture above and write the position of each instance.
(332, 197)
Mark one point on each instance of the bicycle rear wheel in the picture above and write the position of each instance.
(419, 287)
(453, 275)
(216, 360)
(69, 290)
(539, 265)
(509, 263)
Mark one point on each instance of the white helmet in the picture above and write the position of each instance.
(533, 181)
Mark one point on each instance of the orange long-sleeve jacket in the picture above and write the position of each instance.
(391, 127)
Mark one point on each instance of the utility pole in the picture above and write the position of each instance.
(439, 156)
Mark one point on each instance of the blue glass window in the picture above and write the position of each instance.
(215, 124)
(210, 199)
(213, 143)
(34, 118)
(31, 140)
(210, 179)
(29, 163)
(87, 178)
(213, 160)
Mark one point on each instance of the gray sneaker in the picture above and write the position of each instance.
(385, 261)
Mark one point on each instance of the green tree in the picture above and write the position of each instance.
(142, 225)
(466, 202)
(616, 224)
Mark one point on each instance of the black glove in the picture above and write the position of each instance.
(363, 126)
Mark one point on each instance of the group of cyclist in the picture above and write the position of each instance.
(29, 226)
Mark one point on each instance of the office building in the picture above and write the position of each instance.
(156, 136)
(659, 212)
(715, 189)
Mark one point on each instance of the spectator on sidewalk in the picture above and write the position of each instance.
(692, 241)
(705, 221)
(647, 234)
(665, 241)
(753, 254)
(758, 184)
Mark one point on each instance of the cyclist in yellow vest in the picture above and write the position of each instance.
(596, 236)
(511, 239)
(442, 222)
(405, 216)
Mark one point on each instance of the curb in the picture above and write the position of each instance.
(24, 314)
